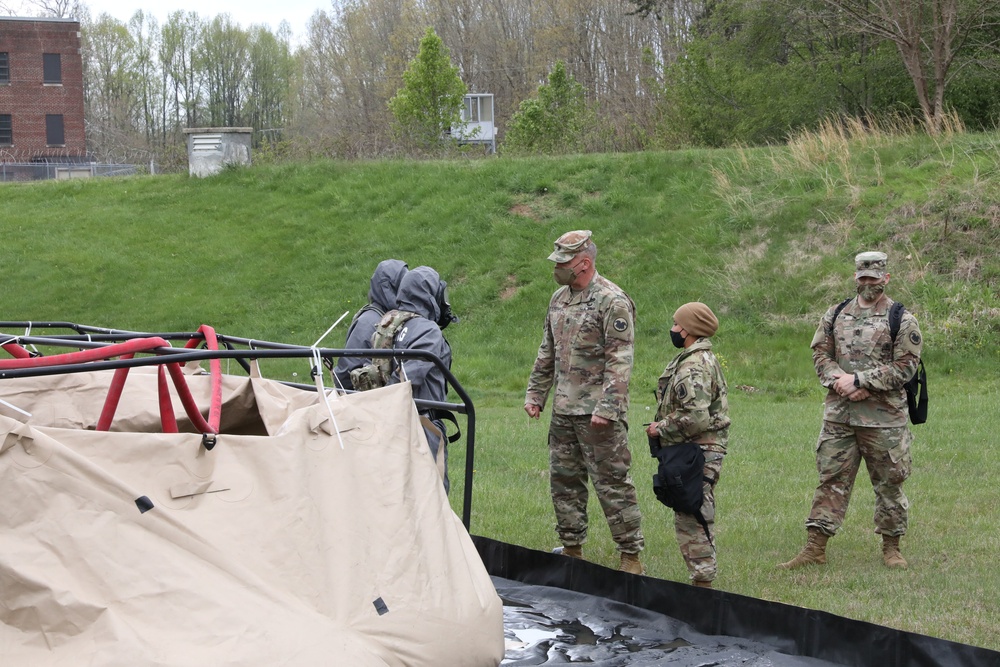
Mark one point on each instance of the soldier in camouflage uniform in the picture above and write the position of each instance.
(586, 359)
(693, 407)
(865, 414)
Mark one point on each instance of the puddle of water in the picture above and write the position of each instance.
(534, 636)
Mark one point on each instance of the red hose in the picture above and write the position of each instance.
(215, 368)
(167, 419)
(114, 396)
(190, 407)
(85, 356)
(127, 350)
(16, 351)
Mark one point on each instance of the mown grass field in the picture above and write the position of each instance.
(765, 236)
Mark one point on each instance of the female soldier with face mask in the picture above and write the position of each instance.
(693, 408)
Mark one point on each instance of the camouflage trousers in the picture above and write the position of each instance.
(577, 450)
(886, 452)
(697, 548)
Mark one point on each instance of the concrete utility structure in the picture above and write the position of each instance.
(478, 128)
(212, 148)
(41, 91)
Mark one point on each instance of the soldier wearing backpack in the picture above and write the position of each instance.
(381, 299)
(865, 369)
(416, 324)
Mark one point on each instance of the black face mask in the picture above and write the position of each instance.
(676, 338)
(447, 317)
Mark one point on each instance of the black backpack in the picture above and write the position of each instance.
(916, 387)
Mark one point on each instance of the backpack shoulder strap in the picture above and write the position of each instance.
(895, 318)
(354, 320)
(836, 314)
(367, 307)
(388, 327)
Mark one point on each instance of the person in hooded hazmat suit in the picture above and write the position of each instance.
(381, 299)
(423, 299)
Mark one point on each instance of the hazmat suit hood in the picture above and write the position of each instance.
(418, 293)
(385, 283)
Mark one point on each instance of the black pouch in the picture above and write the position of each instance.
(678, 479)
(654, 445)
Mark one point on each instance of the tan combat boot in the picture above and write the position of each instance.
(813, 553)
(573, 551)
(890, 552)
(631, 564)
(702, 584)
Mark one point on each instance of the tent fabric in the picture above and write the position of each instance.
(280, 546)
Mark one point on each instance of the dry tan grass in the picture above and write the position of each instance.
(509, 288)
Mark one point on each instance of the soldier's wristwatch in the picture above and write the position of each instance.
(857, 381)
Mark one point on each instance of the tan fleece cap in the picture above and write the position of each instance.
(697, 319)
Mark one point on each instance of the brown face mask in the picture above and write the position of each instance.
(565, 275)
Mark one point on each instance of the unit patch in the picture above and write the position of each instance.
(620, 324)
(915, 338)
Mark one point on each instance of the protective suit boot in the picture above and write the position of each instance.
(702, 584)
(890, 552)
(630, 563)
(813, 553)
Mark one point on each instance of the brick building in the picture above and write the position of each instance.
(41, 91)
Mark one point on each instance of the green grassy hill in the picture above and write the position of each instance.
(765, 236)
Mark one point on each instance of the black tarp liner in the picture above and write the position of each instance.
(785, 629)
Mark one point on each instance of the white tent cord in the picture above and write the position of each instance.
(14, 407)
(318, 370)
(336, 381)
(27, 332)
(250, 345)
(339, 319)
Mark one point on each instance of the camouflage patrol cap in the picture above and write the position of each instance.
(871, 264)
(569, 244)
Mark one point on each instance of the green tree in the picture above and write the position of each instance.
(429, 103)
(181, 39)
(753, 72)
(553, 120)
(223, 58)
(935, 39)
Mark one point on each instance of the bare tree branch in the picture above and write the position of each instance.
(929, 36)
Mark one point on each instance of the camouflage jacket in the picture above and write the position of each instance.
(692, 398)
(859, 342)
(586, 352)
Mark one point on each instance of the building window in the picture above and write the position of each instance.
(4, 67)
(470, 114)
(52, 66)
(54, 135)
(6, 130)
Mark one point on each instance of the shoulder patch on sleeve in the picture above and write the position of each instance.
(682, 391)
(915, 337)
(620, 324)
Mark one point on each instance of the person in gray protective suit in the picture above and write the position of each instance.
(423, 302)
(381, 299)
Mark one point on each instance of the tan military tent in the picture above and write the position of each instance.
(282, 545)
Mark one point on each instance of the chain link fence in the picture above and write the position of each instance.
(40, 171)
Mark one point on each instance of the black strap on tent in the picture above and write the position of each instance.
(449, 416)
